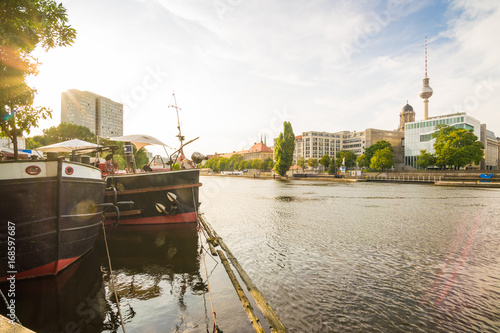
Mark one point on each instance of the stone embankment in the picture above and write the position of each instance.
(471, 178)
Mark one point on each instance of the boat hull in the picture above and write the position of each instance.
(49, 219)
(159, 197)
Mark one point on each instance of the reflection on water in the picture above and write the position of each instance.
(334, 257)
(156, 271)
(71, 302)
(328, 257)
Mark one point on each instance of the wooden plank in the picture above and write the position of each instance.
(152, 189)
(241, 295)
(124, 213)
(267, 311)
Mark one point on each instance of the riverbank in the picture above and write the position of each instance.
(465, 178)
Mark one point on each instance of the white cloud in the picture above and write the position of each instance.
(231, 63)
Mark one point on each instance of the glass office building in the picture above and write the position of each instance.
(418, 134)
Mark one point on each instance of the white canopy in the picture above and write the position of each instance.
(67, 146)
(139, 140)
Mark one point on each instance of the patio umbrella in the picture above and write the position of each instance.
(140, 140)
(67, 146)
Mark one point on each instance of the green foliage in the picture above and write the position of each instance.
(233, 162)
(221, 164)
(456, 147)
(425, 160)
(379, 145)
(350, 158)
(25, 25)
(256, 163)
(362, 161)
(312, 162)
(301, 162)
(325, 161)
(63, 132)
(241, 166)
(140, 156)
(270, 164)
(263, 165)
(332, 169)
(283, 150)
(382, 159)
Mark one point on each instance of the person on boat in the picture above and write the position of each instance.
(110, 168)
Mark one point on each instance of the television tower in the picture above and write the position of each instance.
(426, 91)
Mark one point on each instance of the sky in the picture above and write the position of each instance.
(239, 69)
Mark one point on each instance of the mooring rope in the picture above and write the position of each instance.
(214, 315)
(112, 277)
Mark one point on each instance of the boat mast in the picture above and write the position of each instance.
(181, 138)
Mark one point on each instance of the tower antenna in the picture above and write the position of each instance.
(425, 56)
(426, 91)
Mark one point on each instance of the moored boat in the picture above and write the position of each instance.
(49, 215)
(160, 195)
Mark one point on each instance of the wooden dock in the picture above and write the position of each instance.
(6, 325)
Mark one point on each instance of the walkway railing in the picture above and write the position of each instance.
(404, 178)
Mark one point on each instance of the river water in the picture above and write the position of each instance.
(328, 257)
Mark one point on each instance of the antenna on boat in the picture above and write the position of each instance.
(181, 138)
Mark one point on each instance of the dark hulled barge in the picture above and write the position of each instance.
(49, 215)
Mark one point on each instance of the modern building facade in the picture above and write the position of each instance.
(317, 144)
(418, 135)
(101, 115)
(491, 150)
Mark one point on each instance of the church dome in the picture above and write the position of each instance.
(407, 107)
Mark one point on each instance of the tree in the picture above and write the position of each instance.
(350, 158)
(382, 159)
(325, 161)
(221, 163)
(301, 162)
(379, 145)
(456, 147)
(63, 132)
(233, 162)
(241, 166)
(332, 168)
(256, 163)
(425, 160)
(362, 161)
(270, 164)
(262, 165)
(312, 162)
(25, 25)
(283, 150)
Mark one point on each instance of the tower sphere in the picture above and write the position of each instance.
(426, 91)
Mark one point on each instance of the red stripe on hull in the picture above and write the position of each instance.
(165, 219)
(49, 269)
